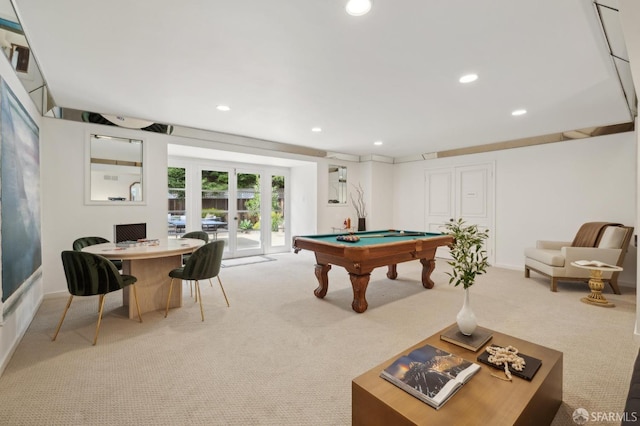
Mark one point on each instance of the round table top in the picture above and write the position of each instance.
(603, 267)
(166, 247)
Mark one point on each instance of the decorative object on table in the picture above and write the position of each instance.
(360, 206)
(511, 361)
(469, 259)
(474, 342)
(430, 374)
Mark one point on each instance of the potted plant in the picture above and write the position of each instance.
(469, 259)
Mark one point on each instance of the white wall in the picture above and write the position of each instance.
(304, 202)
(380, 189)
(17, 317)
(542, 192)
(66, 217)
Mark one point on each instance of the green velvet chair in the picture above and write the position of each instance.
(200, 235)
(83, 242)
(90, 275)
(196, 235)
(204, 263)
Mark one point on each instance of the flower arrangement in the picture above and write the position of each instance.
(469, 256)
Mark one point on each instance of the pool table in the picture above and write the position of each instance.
(373, 249)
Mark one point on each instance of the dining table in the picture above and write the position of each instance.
(150, 261)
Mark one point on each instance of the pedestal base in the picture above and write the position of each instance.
(598, 302)
(596, 285)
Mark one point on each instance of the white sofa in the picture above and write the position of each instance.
(553, 258)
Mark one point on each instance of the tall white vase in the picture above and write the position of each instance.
(466, 319)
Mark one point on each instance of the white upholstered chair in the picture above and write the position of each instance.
(606, 243)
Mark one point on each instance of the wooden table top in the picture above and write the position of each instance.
(166, 247)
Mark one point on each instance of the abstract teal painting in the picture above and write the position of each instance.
(19, 193)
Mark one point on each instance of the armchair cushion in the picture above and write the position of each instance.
(612, 237)
(547, 256)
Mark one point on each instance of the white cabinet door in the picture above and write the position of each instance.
(460, 192)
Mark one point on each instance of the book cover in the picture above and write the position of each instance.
(474, 342)
(531, 365)
(430, 374)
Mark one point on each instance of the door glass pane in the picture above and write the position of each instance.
(248, 205)
(215, 204)
(177, 198)
(277, 211)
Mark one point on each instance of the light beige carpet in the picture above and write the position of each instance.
(281, 356)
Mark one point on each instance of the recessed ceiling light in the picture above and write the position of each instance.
(223, 108)
(316, 129)
(358, 7)
(377, 143)
(468, 78)
(519, 112)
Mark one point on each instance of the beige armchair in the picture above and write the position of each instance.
(606, 242)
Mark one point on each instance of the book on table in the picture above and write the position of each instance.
(430, 374)
(595, 263)
(474, 342)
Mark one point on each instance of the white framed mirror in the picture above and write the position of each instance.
(337, 185)
(114, 170)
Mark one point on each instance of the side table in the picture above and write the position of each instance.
(595, 282)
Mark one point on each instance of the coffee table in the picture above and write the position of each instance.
(483, 400)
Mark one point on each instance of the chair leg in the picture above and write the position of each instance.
(95, 339)
(554, 284)
(222, 288)
(613, 282)
(135, 296)
(62, 319)
(166, 312)
(199, 296)
(527, 272)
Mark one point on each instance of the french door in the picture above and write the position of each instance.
(245, 207)
(256, 216)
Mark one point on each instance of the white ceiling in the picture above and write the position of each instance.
(285, 66)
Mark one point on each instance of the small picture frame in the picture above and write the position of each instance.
(19, 57)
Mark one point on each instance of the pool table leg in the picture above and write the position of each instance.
(323, 280)
(392, 273)
(428, 265)
(359, 284)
